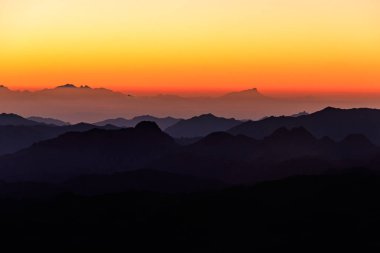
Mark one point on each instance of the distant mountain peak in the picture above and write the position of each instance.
(67, 86)
(249, 93)
(254, 90)
(73, 86)
(3, 87)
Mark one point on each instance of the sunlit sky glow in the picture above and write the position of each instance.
(179, 46)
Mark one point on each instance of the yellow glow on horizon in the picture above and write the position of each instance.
(191, 45)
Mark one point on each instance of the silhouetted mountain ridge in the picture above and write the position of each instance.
(11, 119)
(15, 138)
(48, 121)
(332, 122)
(286, 152)
(201, 126)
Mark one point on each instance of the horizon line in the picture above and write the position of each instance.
(203, 93)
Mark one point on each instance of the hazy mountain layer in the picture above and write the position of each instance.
(74, 104)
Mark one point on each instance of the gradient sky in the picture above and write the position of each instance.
(205, 46)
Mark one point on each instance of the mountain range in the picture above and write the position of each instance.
(219, 156)
(332, 122)
(17, 132)
(203, 184)
(75, 104)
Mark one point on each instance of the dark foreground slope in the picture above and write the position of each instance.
(312, 214)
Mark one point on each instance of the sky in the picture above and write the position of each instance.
(192, 46)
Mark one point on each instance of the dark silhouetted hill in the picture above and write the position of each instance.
(332, 122)
(15, 138)
(201, 126)
(97, 151)
(10, 119)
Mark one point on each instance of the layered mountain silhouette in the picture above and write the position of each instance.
(238, 159)
(78, 103)
(306, 181)
(219, 156)
(331, 122)
(201, 126)
(163, 123)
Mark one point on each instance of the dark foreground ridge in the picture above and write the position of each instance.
(313, 213)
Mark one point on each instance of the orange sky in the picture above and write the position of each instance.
(198, 46)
